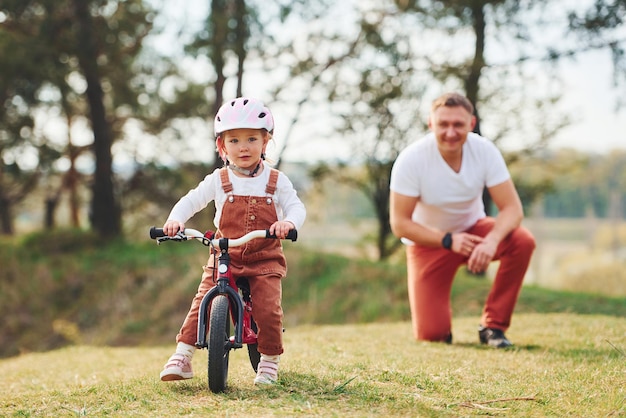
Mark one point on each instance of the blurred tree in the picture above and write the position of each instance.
(487, 83)
(374, 101)
(583, 183)
(601, 27)
(86, 60)
(235, 29)
(395, 61)
(361, 75)
(20, 81)
(224, 31)
(373, 73)
(78, 42)
(105, 213)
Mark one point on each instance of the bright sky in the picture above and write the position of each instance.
(590, 95)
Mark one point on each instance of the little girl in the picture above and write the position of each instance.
(248, 195)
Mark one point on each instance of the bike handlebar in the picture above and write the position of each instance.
(208, 237)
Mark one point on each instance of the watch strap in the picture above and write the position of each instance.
(446, 242)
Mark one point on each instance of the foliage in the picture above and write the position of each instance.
(61, 241)
(82, 67)
(588, 186)
(151, 192)
(371, 74)
(104, 72)
(376, 92)
(66, 287)
(598, 27)
(19, 84)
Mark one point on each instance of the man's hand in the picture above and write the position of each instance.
(464, 243)
(478, 250)
(482, 255)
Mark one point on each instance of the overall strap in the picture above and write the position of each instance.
(270, 189)
(227, 186)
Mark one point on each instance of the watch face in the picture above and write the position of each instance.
(447, 241)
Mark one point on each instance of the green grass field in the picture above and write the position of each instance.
(87, 328)
(562, 365)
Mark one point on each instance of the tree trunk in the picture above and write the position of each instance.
(240, 42)
(74, 201)
(50, 207)
(472, 83)
(220, 30)
(6, 220)
(71, 185)
(384, 230)
(71, 177)
(105, 215)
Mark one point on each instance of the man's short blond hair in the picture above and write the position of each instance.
(452, 100)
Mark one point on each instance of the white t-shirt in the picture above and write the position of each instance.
(288, 205)
(449, 201)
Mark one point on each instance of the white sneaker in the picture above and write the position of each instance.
(178, 367)
(267, 372)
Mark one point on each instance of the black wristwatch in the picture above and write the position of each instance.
(446, 242)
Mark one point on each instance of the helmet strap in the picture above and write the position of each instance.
(249, 173)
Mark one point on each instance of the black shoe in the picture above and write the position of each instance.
(493, 337)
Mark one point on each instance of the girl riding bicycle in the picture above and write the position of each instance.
(248, 195)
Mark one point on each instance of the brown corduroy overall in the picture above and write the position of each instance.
(261, 261)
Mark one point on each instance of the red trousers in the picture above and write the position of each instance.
(431, 272)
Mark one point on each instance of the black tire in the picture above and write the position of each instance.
(253, 352)
(219, 343)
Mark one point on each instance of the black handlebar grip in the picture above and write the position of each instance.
(156, 232)
(291, 235)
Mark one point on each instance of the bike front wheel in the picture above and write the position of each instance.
(219, 343)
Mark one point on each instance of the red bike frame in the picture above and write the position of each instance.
(240, 309)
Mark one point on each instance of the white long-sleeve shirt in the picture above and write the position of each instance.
(288, 205)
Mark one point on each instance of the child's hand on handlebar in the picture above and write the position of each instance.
(172, 227)
(281, 228)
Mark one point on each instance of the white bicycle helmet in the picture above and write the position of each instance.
(243, 112)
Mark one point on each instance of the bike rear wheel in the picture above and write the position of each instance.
(219, 343)
(253, 352)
